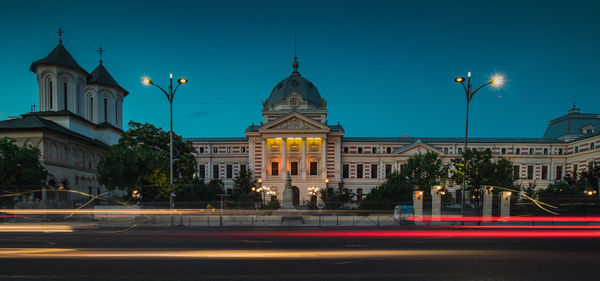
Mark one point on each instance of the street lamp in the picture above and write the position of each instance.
(170, 95)
(313, 191)
(495, 81)
(264, 190)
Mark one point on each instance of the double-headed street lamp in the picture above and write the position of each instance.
(170, 95)
(496, 81)
(265, 190)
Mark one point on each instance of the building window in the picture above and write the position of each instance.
(445, 150)
(215, 171)
(516, 172)
(274, 168)
(243, 149)
(518, 151)
(359, 171)
(560, 151)
(388, 150)
(576, 149)
(243, 168)
(313, 168)
(229, 149)
(373, 171)
(91, 108)
(294, 168)
(531, 151)
(388, 169)
(460, 150)
(591, 146)
(559, 172)
(401, 167)
(374, 150)
(105, 111)
(215, 149)
(51, 95)
(345, 149)
(529, 172)
(545, 151)
(544, 172)
(66, 96)
(360, 150)
(202, 171)
(504, 151)
(229, 171)
(575, 170)
(201, 150)
(345, 171)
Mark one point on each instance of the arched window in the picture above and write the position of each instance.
(91, 108)
(50, 92)
(66, 96)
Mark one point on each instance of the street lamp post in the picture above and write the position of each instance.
(170, 95)
(496, 81)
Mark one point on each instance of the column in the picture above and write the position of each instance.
(209, 169)
(487, 203)
(303, 163)
(418, 205)
(436, 203)
(505, 204)
(283, 159)
(324, 172)
(381, 170)
(263, 160)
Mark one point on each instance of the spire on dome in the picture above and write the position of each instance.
(295, 64)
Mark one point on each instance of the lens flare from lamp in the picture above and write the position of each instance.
(146, 81)
(182, 80)
(497, 80)
(459, 79)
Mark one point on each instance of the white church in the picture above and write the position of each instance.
(80, 115)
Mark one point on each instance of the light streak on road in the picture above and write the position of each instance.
(47, 228)
(66, 253)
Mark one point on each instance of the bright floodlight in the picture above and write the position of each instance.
(497, 81)
(182, 80)
(459, 79)
(146, 81)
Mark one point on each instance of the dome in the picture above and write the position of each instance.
(295, 84)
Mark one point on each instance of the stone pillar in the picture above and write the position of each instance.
(505, 204)
(487, 203)
(436, 203)
(283, 159)
(263, 160)
(303, 162)
(418, 205)
(324, 172)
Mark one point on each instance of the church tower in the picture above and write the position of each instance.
(61, 81)
(104, 97)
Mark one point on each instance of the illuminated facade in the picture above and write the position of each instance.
(294, 137)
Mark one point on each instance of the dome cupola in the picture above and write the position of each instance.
(294, 92)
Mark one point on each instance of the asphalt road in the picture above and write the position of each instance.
(291, 254)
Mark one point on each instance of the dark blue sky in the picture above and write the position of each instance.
(386, 68)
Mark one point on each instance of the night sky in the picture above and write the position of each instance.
(386, 68)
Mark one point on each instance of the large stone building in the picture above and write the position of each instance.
(295, 137)
(80, 115)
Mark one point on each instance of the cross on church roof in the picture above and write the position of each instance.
(60, 33)
(100, 51)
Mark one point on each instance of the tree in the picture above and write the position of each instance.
(336, 198)
(421, 172)
(481, 171)
(242, 193)
(141, 161)
(20, 167)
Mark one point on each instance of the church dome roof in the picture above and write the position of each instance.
(58, 56)
(100, 76)
(295, 83)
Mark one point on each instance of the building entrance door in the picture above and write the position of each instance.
(295, 196)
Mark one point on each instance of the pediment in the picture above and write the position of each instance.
(294, 121)
(416, 148)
